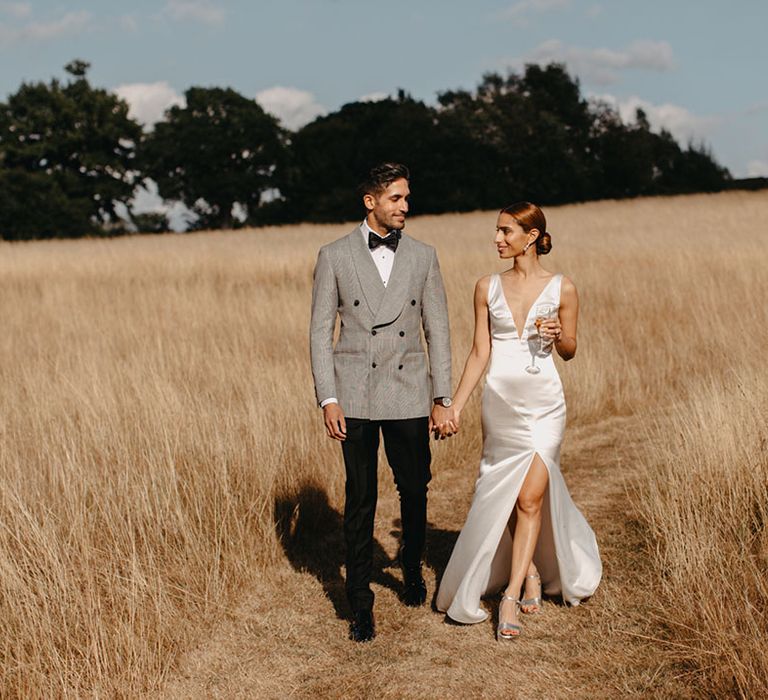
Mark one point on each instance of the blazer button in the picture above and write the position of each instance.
(357, 302)
(402, 333)
(399, 366)
(413, 302)
(374, 365)
(373, 332)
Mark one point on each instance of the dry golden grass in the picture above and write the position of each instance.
(165, 484)
(706, 500)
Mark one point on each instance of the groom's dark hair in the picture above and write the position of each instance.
(382, 176)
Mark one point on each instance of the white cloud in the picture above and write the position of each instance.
(203, 11)
(603, 66)
(293, 107)
(757, 168)
(19, 10)
(683, 124)
(757, 108)
(374, 97)
(70, 23)
(519, 12)
(128, 22)
(147, 102)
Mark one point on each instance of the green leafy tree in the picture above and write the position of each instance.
(68, 154)
(66, 158)
(537, 129)
(625, 154)
(487, 173)
(218, 150)
(331, 155)
(632, 160)
(524, 136)
(695, 170)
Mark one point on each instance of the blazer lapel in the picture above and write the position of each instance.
(367, 274)
(397, 287)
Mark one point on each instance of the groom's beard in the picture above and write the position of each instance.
(390, 223)
(395, 224)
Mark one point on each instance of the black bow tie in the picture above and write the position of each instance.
(390, 240)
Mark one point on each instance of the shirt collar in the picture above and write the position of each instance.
(366, 229)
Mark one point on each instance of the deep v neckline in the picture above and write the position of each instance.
(521, 330)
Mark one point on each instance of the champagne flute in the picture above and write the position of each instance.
(543, 312)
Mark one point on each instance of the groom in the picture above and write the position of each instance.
(384, 287)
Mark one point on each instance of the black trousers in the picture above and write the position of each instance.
(406, 443)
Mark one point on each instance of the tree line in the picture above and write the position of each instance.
(71, 157)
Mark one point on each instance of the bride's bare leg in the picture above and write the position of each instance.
(527, 525)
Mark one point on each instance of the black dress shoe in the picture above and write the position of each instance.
(414, 590)
(362, 628)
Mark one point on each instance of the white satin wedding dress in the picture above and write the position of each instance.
(523, 415)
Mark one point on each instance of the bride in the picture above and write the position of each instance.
(522, 530)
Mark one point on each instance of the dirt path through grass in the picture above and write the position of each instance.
(286, 638)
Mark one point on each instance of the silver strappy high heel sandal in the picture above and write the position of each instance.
(528, 602)
(516, 630)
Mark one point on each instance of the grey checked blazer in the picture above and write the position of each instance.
(378, 368)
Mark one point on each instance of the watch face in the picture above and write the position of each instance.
(446, 401)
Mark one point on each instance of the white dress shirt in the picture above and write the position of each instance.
(383, 258)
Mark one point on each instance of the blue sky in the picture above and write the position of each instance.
(698, 68)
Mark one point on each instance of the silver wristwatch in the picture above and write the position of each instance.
(444, 401)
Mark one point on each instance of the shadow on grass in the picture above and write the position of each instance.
(311, 532)
(437, 551)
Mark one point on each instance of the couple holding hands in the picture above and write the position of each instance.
(523, 534)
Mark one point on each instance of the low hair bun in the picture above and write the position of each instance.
(543, 243)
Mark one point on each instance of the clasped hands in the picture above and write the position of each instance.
(444, 422)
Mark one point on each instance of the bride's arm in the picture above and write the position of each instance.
(478, 356)
(565, 344)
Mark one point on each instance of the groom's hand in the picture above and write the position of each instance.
(441, 422)
(335, 425)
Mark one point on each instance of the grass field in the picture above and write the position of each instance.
(170, 506)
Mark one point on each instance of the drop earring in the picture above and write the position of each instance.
(526, 246)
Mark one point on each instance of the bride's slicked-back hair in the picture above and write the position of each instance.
(529, 216)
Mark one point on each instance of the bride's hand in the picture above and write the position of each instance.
(551, 330)
(456, 419)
